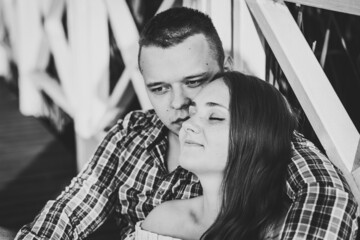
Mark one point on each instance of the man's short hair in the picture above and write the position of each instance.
(174, 25)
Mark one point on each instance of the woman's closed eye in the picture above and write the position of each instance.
(216, 118)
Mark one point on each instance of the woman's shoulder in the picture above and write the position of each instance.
(167, 213)
(142, 234)
(170, 218)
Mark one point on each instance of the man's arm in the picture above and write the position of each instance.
(86, 203)
(323, 206)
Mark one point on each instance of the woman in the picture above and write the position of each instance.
(238, 143)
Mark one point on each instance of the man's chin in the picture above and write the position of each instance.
(175, 129)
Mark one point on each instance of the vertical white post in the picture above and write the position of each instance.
(220, 13)
(29, 39)
(249, 54)
(89, 41)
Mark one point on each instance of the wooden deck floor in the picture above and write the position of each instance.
(35, 163)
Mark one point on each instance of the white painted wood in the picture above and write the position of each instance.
(166, 4)
(59, 46)
(4, 48)
(89, 42)
(53, 89)
(196, 4)
(85, 149)
(249, 54)
(29, 34)
(220, 13)
(344, 6)
(328, 117)
(11, 22)
(120, 98)
(127, 36)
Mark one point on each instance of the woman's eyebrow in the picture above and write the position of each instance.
(209, 104)
(214, 104)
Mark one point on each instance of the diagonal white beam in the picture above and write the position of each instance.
(53, 89)
(127, 36)
(344, 6)
(58, 43)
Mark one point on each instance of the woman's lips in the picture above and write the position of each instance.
(192, 143)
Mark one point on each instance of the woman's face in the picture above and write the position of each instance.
(204, 137)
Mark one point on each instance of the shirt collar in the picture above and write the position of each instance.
(156, 133)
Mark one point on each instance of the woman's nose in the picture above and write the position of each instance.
(190, 126)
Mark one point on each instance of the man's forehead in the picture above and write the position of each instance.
(176, 64)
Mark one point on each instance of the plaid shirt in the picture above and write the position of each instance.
(128, 176)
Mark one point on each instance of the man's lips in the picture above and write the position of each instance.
(180, 120)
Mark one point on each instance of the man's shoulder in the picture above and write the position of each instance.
(140, 120)
(306, 150)
(139, 126)
(310, 166)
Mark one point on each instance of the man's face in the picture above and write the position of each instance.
(173, 76)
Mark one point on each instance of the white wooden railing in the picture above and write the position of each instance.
(322, 106)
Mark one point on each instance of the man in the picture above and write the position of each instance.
(136, 166)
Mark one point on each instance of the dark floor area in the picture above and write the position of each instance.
(35, 164)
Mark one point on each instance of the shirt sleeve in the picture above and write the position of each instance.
(87, 202)
(323, 207)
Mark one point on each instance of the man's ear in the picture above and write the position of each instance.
(228, 63)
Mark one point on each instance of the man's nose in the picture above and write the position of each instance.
(180, 100)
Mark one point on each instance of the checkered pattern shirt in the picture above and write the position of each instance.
(128, 176)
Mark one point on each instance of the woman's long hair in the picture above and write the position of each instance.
(254, 185)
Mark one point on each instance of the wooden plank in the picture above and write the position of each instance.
(249, 55)
(11, 21)
(220, 13)
(327, 115)
(89, 41)
(59, 45)
(357, 159)
(119, 100)
(30, 35)
(53, 89)
(344, 6)
(165, 5)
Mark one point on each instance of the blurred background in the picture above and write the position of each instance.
(68, 71)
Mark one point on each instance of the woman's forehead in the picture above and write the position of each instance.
(214, 92)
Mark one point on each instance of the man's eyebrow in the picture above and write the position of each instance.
(154, 84)
(198, 75)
